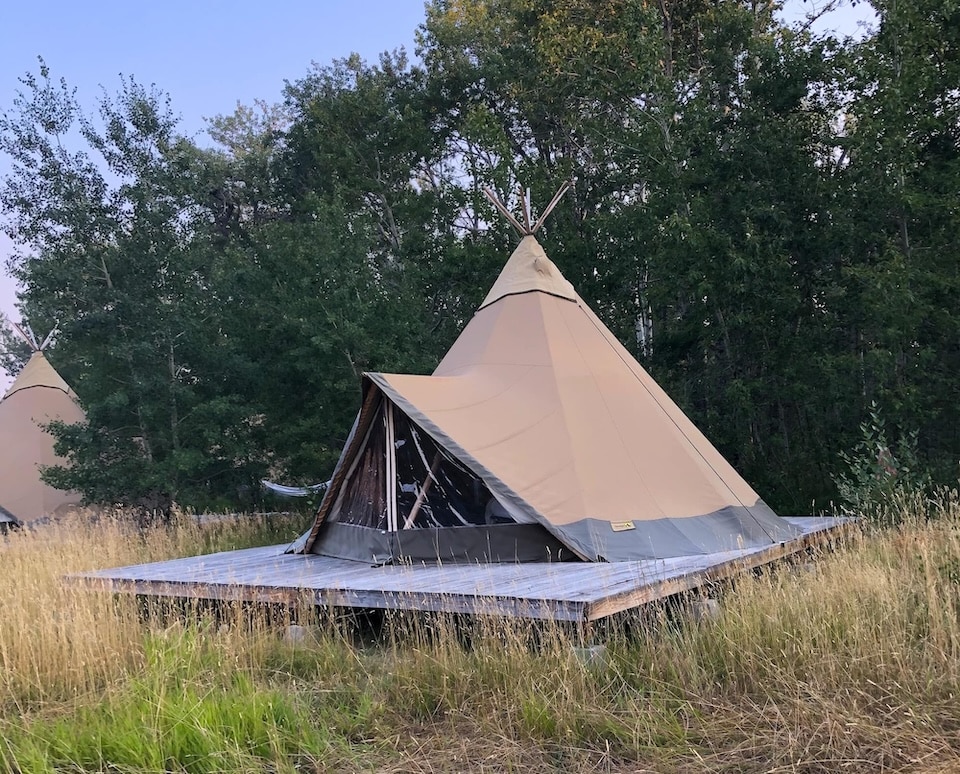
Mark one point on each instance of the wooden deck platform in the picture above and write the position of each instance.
(569, 591)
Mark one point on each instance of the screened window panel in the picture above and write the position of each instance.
(435, 489)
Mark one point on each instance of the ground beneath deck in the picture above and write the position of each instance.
(571, 591)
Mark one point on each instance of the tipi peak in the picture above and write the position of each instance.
(529, 269)
(38, 373)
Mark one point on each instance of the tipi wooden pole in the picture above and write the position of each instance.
(391, 483)
(505, 212)
(525, 229)
(424, 491)
(49, 338)
(553, 203)
(525, 198)
(30, 340)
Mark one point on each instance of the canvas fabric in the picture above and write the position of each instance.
(39, 373)
(542, 403)
(38, 396)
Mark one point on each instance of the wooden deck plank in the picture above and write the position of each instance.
(562, 591)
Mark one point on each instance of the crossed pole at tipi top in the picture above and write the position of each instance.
(26, 333)
(525, 228)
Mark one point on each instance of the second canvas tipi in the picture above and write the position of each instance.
(37, 396)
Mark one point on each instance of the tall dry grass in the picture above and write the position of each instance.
(851, 660)
(59, 641)
(846, 660)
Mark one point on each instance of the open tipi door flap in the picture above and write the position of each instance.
(519, 509)
(344, 467)
(525, 538)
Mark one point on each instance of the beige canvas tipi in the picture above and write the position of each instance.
(538, 438)
(38, 395)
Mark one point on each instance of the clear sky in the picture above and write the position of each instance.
(207, 54)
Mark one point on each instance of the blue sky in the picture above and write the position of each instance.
(208, 54)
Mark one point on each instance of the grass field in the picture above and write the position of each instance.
(849, 662)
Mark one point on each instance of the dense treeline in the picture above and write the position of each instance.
(766, 218)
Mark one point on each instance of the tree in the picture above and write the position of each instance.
(367, 141)
(14, 351)
(899, 251)
(764, 217)
(109, 249)
(699, 227)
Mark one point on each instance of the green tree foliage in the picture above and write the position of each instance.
(901, 267)
(368, 140)
(113, 254)
(741, 282)
(766, 219)
(877, 473)
(14, 351)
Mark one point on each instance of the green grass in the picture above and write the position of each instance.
(849, 663)
(186, 711)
